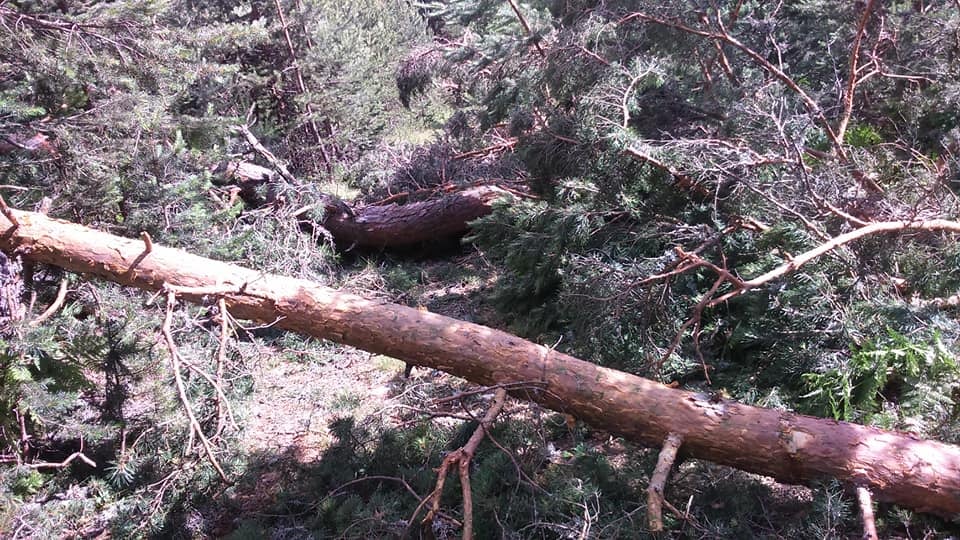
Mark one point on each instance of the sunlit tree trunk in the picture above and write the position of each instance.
(793, 448)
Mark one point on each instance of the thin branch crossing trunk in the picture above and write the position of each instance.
(793, 448)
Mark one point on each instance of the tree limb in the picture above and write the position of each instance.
(852, 79)
(462, 457)
(866, 513)
(655, 490)
(826, 247)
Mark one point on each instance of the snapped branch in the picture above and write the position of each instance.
(461, 458)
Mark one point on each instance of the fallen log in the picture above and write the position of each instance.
(792, 448)
(400, 225)
(386, 226)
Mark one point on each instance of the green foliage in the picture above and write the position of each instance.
(861, 136)
(831, 511)
(532, 247)
(353, 69)
(893, 381)
(27, 483)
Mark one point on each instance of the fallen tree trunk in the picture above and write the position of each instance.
(793, 448)
(387, 226)
(396, 225)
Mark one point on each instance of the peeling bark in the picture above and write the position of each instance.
(793, 448)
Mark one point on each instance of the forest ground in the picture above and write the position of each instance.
(291, 417)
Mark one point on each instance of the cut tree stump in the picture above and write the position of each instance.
(792, 448)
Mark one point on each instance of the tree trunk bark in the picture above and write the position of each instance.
(414, 223)
(387, 226)
(896, 467)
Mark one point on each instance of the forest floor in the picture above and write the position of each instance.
(291, 418)
(299, 396)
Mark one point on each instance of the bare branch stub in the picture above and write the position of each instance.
(866, 512)
(655, 501)
(8, 213)
(147, 242)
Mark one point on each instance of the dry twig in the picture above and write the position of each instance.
(462, 457)
(76, 455)
(682, 179)
(526, 27)
(852, 76)
(121, 44)
(175, 361)
(668, 454)
(55, 306)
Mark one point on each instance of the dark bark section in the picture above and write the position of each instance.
(380, 226)
(896, 467)
(256, 185)
(395, 225)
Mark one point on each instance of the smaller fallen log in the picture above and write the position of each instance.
(792, 448)
(401, 225)
(382, 226)
(257, 185)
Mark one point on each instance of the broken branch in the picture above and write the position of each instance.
(255, 143)
(175, 361)
(462, 457)
(8, 213)
(866, 512)
(668, 454)
(804, 258)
